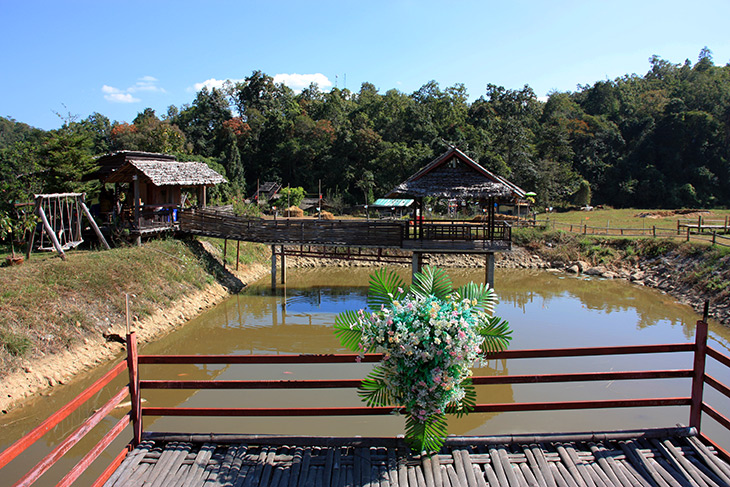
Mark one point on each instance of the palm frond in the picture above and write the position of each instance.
(428, 436)
(497, 334)
(349, 336)
(467, 403)
(384, 285)
(486, 298)
(373, 389)
(432, 281)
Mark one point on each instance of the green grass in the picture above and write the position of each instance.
(85, 294)
(627, 218)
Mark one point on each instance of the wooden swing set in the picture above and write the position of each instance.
(60, 215)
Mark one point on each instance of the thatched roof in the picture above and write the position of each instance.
(456, 175)
(109, 163)
(167, 173)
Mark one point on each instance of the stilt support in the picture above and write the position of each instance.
(417, 263)
(283, 266)
(273, 267)
(489, 269)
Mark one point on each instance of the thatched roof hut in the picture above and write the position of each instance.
(167, 173)
(456, 175)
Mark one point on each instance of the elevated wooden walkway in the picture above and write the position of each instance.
(432, 236)
(645, 458)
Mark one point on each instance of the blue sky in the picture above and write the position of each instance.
(119, 57)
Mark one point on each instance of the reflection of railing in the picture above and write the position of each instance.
(695, 398)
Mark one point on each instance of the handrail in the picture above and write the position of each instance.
(697, 404)
(37, 433)
(17, 448)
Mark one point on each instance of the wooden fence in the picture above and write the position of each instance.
(685, 232)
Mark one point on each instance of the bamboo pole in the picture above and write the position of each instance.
(93, 224)
(51, 233)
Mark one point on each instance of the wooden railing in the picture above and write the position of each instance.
(357, 233)
(694, 399)
(62, 448)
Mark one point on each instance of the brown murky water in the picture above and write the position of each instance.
(545, 311)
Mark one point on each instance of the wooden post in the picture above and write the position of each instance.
(273, 267)
(653, 231)
(238, 252)
(133, 366)
(93, 223)
(678, 231)
(51, 233)
(698, 374)
(283, 265)
(489, 269)
(225, 251)
(204, 197)
(135, 180)
(699, 224)
(416, 263)
(687, 233)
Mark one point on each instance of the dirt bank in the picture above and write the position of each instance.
(39, 375)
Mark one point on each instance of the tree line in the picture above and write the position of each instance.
(651, 141)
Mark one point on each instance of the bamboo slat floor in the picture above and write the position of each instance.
(667, 457)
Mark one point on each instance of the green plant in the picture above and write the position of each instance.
(14, 344)
(13, 225)
(430, 335)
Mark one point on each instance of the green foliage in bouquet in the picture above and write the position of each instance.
(431, 335)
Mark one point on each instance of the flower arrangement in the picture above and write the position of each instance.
(430, 336)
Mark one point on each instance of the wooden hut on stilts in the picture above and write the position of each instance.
(455, 176)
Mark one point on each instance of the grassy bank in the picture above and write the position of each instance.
(47, 305)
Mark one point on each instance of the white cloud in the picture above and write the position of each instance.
(117, 95)
(214, 83)
(298, 82)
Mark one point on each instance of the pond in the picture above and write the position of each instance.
(545, 310)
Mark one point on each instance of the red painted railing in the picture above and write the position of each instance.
(136, 386)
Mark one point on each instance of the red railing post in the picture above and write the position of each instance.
(698, 376)
(133, 365)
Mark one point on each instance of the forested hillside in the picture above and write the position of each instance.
(657, 140)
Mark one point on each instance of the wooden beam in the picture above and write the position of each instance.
(51, 233)
(93, 224)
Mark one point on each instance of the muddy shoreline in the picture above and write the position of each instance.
(38, 376)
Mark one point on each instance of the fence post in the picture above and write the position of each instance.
(585, 229)
(687, 234)
(698, 370)
(678, 232)
(133, 366)
(653, 231)
(714, 237)
(699, 224)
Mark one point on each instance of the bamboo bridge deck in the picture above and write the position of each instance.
(463, 237)
(662, 457)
